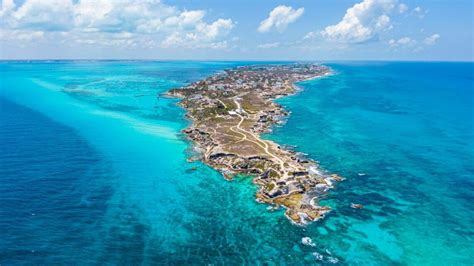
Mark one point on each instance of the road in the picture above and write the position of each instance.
(258, 141)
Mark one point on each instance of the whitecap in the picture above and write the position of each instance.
(318, 256)
(333, 260)
(315, 171)
(321, 188)
(307, 241)
(329, 181)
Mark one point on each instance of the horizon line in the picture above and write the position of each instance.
(239, 60)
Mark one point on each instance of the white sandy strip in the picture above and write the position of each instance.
(140, 125)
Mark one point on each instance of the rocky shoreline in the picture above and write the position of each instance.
(230, 110)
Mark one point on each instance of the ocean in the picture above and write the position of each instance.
(93, 168)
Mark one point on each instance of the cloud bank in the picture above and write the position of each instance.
(105, 22)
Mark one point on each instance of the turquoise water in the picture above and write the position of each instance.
(93, 168)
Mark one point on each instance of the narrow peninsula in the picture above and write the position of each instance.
(231, 109)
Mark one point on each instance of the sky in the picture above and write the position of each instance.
(434, 30)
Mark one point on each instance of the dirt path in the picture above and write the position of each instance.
(265, 146)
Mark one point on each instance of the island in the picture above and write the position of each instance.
(231, 109)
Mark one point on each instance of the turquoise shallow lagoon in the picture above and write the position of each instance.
(93, 168)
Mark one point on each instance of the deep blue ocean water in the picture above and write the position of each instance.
(93, 168)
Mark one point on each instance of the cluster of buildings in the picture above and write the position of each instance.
(262, 78)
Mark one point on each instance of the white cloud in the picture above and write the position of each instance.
(402, 8)
(185, 20)
(407, 42)
(144, 22)
(49, 15)
(280, 17)
(362, 22)
(268, 45)
(17, 35)
(420, 12)
(402, 42)
(6, 7)
(432, 40)
(418, 49)
(310, 35)
(203, 36)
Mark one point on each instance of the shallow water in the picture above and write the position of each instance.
(93, 168)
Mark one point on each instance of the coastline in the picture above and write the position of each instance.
(314, 200)
(226, 125)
